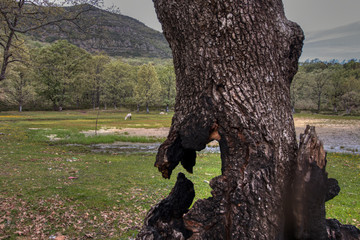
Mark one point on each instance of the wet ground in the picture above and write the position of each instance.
(337, 136)
(128, 147)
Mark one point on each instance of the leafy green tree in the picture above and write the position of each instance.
(299, 90)
(351, 97)
(351, 100)
(95, 77)
(118, 84)
(167, 80)
(327, 82)
(337, 87)
(57, 68)
(319, 82)
(19, 89)
(148, 86)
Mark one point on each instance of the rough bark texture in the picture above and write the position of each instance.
(234, 63)
(164, 221)
(311, 188)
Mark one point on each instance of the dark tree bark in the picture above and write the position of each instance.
(234, 63)
(164, 221)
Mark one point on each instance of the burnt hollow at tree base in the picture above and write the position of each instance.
(310, 189)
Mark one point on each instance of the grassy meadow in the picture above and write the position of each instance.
(61, 188)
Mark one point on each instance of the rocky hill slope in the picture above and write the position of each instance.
(112, 33)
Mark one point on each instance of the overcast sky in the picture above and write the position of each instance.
(312, 15)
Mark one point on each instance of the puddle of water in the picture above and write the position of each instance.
(128, 147)
(125, 147)
(352, 149)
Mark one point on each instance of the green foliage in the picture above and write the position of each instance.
(327, 86)
(62, 75)
(57, 67)
(18, 88)
(167, 78)
(148, 86)
(94, 78)
(119, 82)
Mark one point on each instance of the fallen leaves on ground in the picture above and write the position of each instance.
(62, 219)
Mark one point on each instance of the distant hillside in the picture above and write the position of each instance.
(337, 43)
(114, 34)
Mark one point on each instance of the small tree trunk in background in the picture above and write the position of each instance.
(93, 101)
(97, 98)
(147, 108)
(319, 103)
(348, 110)
(234, 62)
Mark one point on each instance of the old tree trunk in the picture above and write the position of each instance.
(234, 63)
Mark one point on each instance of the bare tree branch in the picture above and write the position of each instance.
(29, 15)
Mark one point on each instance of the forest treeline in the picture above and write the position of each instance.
(61, 76)
(330, 87)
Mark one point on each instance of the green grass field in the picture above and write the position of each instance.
(49, 188)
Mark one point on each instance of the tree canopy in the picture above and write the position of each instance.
(327, 86)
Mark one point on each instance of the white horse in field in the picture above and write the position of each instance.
(128, 116)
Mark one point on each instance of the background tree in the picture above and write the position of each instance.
(148, 86)
(21, 16)
(336, 87)
(327, 82)
(166, 75)
(19, 89)
(350, 100)
(95, 77)
(57, 67)
(300, 91)
(80, 94)
(118, 82)
(319, 81)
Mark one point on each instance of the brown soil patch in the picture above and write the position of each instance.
(146, 132)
